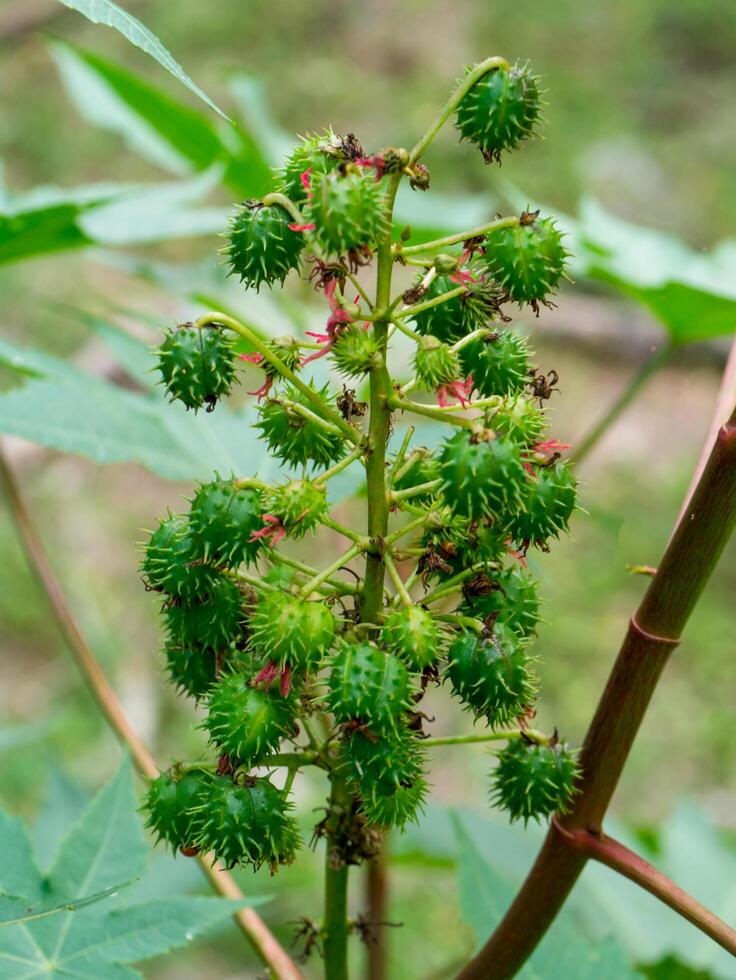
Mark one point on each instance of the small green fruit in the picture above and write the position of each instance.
(299, 505)
(292, 632)
(316, 154)
(533, 781)
(262, 247)
(368, 685)
(519, 420)
(295, 438)
(197, 365)
(500, 111)
(548, 502)
(245, 723)
(171, 802)
(412, 634)
(513, 602)
(171, 564)
(192, 671)
(499, 363)
(388, 777)
(210, 623)
(528, 260)
(348, 211)
(224, 517)
(451, 320)
(435, 363)
(482, 477)
(355, 350)
(422, 468)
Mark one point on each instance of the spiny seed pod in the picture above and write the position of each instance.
(348, 211)
(499, 363)
(314, 155)
(224, 517)
(533, 781)
(492, 675)
(454, 543)
(482, 477)
(518, 419)
(212, 622)
(287, 349)
(197, 365)
(247, 823)
(451, 320)
(368, 685)
(527, 260)
(171, 563)
(292, 632)
(295, 438)
(411, 633)
(262, 247)
(245, 723)
(512, 601)
(193, 671)
(388, 776)
(500, 110)
(418, 468)
(171, 801)
(355, 350)
(299, 505)
(435, 363)
(548, 502)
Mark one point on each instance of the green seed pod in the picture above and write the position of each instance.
(519, 420)
(315, 155)
(528, 260)
(296, 438)
(482, 477)
(287, 349)
(223, 518)
(170, 563)
(171, 802)
(213, 622)
(247, 823)
(454, 543)
(499, 363)
(435, 363)
(492, 675)
(192, 671)
(299, 505)
(245, 723)
(500, 111)
(369, 685)
(262, 247)
(355, 350)
(292, 632)
(411, 633)
(452, 320)
(533, 781)
(548, 502)
(388, 777)
(423, 468)
(197, 365)
(348, 211)
(513, 601)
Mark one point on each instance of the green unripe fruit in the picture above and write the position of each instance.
(456, 543)
(315, 155)
(369, 685)
(388, 776)
(435, 363)
(451, 320)
(500, 111)
(528, 260)
(262, 247)
(287, 349)
(292, 632)
(482, 477)
(171, 804)
(513, 602)
(423, 468)
(299, 505)
(499, 363)
(348, 211)
(224, 517)
(492, 675)
(533, 781)
(247, 824)
(355, 350)
(170, 563)
(192, 670)
(412, 634)
(548, 501)
(197, 365)
(245, 723)
(213, 622)
(296, 438)
(519, 420)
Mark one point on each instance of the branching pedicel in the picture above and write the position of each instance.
(279, 651)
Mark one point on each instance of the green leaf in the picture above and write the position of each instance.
(670, 968)
(111, 15)
(19, 874)
(14, 909)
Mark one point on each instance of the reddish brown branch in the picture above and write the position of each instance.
(376, 893)
(606, 850)
(686, 566)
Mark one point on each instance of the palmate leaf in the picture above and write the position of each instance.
(99, 939)
(14, 909)
(111, 15)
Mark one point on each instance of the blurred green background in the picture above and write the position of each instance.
(642, 117)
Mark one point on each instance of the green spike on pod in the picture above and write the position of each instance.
(498, 362)
(500, 111)
(355, 350)
(412, 634)
(492, 675)
(292, 632)
(299, 505)
(213, 622)
(527, 260)
(388, 776)
(512, 599)
(315, 154)
(197, 365)
(435, 363)
(295, 438)
(548, 502)
(533, 781)
(170, 803)
(171, 563)
(452, 319)
(223, 518)
(483, 477)
(368, 685)
(348, 211)
(262, 248)
(518, 419)
(246, 723)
